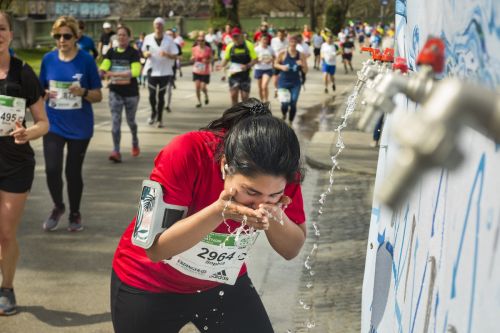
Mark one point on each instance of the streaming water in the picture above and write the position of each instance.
(311, 258)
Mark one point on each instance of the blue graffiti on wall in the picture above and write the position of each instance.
(477, 185)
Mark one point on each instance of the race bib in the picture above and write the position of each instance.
(218, 257)
(200, 66)
(284, 95)
(235, 68)
(347, 50)
(61, 98)
(120, 80)
(12, 109)
(265, 57)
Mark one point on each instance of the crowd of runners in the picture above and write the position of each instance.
(254, 182)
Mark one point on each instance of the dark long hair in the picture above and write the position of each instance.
(255, 142)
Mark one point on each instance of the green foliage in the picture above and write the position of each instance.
(335, 18)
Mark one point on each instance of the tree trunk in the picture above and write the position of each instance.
(221, 14)
(313, 19)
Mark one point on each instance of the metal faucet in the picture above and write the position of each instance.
(429, 138)
(417, 87)
(373, 67)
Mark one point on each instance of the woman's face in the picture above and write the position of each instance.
(65, 39)
(5, 34)
(253, 191)
(123, 39)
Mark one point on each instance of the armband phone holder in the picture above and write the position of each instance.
(154, 215)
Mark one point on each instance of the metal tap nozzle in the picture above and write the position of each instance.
(428, 138)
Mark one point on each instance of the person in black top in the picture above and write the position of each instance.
(105, 42)
(19, 89)
(122, 66)
(347, 51)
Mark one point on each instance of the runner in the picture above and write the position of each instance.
(264, 67)
(72, 83)
(20, 88)
(226, 39)
(138, 46)
(262, 31)
(85, 42)
(160, 52)
(242, 56)
(278, 44)
(170, 33)
(307, 35)
(211, 40)
(243, 165)
(105, 42)
(304, 49)
(180, 43)
(290, 63)
(317, 41)
(329, 53)
(201, 55)
(347, 52)
(122, 66)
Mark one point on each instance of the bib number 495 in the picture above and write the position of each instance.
(8, 117)
(212, 255)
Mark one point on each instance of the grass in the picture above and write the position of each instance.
(34, 56)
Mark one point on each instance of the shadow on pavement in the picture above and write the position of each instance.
(65, 318)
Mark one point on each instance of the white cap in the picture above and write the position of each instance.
(106, 25)
(159, 20)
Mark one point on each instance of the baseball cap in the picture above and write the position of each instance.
(159, 20)
(106, 25)
(236, 31)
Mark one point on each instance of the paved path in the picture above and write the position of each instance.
(62, 282)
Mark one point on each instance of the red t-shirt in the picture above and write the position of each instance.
(190, 176)
(226, 40)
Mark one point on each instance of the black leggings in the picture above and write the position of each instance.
(159, 84)
(238, 310)
(53, 150)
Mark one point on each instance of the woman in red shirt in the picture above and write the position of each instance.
(201, 55)
(236, 178)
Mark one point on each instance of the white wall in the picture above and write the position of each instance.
(433, 265)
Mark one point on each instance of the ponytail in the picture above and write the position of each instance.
(249, 108)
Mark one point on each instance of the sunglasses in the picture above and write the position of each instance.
(65, 36)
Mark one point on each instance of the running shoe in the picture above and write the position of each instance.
(168, 109)
(75, 222)
(115, 157)
(333, 87)
(136, 151)
(160, 124)
(151, 121)
(7, 302)
(50, 224)
(198, 105)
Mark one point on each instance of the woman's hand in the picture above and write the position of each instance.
(274, 212)
(20, 135)
(233, 210)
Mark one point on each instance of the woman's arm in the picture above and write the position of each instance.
(91, 95)
(287, 238)
(41, 127)
(187, 232)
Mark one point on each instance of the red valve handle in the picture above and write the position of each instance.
(377, 55)
(400, 64)
(432, 54)
(388, 55)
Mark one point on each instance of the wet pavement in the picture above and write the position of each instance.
(62, 282)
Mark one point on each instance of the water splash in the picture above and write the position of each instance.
(308, 264)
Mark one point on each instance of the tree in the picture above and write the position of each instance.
(5, 4)
(224, 12)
